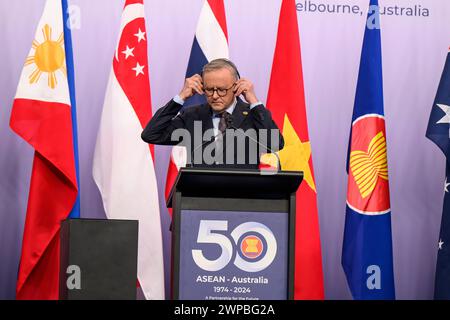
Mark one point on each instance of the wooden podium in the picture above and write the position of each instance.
(201, 193)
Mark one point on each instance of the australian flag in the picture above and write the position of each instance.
(367, 249)
(438, 131)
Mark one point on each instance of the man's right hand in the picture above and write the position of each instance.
(192, 86)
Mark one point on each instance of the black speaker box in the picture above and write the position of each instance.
(98, 259)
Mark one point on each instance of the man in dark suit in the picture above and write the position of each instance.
(224, 132)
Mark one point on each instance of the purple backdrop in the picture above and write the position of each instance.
(414, 49)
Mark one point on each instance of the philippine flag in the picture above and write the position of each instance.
(367, 249)
(123, 165)
(210, 42)
(44, 115)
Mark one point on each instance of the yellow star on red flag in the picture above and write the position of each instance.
(294, 156)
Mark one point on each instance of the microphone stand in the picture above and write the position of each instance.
(191, 164)
(230, 125)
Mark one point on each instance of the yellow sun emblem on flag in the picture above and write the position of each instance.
(48, 57)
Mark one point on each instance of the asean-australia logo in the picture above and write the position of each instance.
(368, 181)
(252, 247)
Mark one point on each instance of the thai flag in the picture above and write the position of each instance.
(367, 249)
(44, 115)
(210, 42)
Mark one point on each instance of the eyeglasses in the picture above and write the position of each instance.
(220, 91)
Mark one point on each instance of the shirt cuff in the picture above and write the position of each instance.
(255, 104)
(178, 99)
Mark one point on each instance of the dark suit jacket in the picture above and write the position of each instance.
(172, 116)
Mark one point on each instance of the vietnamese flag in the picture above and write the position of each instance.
(286, 101)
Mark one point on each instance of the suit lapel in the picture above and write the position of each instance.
(206, 117)
(240, 112)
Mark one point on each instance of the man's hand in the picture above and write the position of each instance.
(192, 86)
(245, 87)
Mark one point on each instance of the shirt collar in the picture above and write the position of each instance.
(230, 109)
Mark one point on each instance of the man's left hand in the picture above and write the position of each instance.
(245, 87)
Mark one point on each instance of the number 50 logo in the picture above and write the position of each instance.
(251, 247)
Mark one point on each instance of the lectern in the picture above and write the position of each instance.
(233, 234)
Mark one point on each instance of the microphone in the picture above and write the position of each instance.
(191, 164)
(230, 125)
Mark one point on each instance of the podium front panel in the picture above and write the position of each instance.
(226, 224)
(235, 255)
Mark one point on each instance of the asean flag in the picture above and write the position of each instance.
(286, 101)
(367, 249)
(44, 116)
